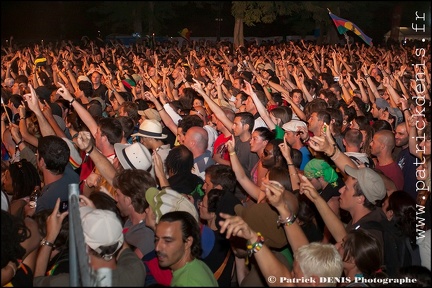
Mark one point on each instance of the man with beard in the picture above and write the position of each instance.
(406, 160)
(178, 247)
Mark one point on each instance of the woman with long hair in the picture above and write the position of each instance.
(252, 189)
(260, 137)
(19, 181)
(362, 256)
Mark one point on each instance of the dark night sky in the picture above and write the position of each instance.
(47, 20)
(43, 19)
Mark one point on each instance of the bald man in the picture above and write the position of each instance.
(212, 134)
(196, 140)
(382, 145)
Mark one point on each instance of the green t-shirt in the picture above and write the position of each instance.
(195, 273)
(279, 132)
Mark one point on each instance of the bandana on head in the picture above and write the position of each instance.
(319, 168)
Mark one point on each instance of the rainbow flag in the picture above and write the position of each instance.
(344, 25)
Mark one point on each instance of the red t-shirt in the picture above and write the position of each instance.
(86, 168)
(394, 172)
(219, 146)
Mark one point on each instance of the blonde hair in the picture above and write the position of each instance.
(317, 259)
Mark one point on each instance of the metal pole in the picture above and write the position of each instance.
(80, 272)
(73, 263)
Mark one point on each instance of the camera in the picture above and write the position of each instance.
(336, 79)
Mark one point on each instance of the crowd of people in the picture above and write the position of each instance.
(203, 164)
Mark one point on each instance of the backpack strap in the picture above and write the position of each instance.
(371, 163)
(220, 270)
(356, 160)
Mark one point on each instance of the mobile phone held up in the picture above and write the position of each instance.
(64, 206)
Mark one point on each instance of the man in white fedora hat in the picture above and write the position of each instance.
(151, 136)
(129, 156)
(133, 156)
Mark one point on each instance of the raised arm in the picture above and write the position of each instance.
(166, 118)
(116, 94)
(359, 81)
(217, 110)
(371, 84)
(294, 106)
(34, 104)
(26, 136)
(242, 178)
(26, 152)
(300, 83)
(47, 112)
(306, 71)
(82, 112)
(394, 96)
(346, 96)
(53, 227)
(286, 204)
(71, 75)
(260, 107)
(267, 261)
(104, 166)
(332, 222)
(294, 177)
(397, 75)
(327, 145)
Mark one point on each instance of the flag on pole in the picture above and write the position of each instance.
(344, 25)
(185, 33)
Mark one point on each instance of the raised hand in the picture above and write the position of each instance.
(219, 80)
(197, 86)
(84, 140)
(230, 144)
(236, 226)
(285, 149)
(64, 93)
(54, 222)
(287, 98)
(248, 88)
(323, 143)
(32, 99)
(274, 193)
(308, 189)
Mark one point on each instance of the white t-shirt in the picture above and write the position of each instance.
(212, 135)
(259, 122)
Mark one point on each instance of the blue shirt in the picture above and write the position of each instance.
(307, 156)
